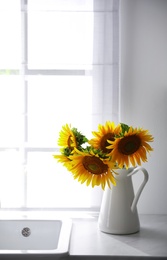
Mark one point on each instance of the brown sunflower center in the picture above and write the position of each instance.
(129, 144)
(104, 143)
(94, 165)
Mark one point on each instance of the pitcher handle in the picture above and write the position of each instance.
(146, 176)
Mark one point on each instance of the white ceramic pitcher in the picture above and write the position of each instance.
(118, 213)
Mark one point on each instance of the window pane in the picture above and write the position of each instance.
(52, 46)
(73, 5)
(50, 185)
(61, 5)
(10, 34)
(55, 101)
(13, 5)
(80, 40)
(10, 111)
(11, 179)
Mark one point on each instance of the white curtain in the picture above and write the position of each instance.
(106, 62)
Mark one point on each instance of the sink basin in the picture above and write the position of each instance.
(34, 236)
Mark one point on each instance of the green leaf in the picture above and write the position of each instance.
(66, 151)
(80, 138)
(125, 128)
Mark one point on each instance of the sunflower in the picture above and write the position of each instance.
(67, 137)
(90, 168)
(105, 132)
(131, 148)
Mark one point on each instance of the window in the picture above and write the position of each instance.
(59, 64)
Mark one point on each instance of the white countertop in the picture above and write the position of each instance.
(87, 239)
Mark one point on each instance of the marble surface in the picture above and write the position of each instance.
(87, 239)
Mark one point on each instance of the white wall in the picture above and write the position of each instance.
(143, 86)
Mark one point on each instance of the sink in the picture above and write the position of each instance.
(34, 237)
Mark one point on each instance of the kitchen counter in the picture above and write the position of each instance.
(88, 242)
(87, 239)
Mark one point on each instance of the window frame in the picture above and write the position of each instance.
(25, 73)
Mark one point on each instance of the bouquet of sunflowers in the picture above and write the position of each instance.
(113, 147)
